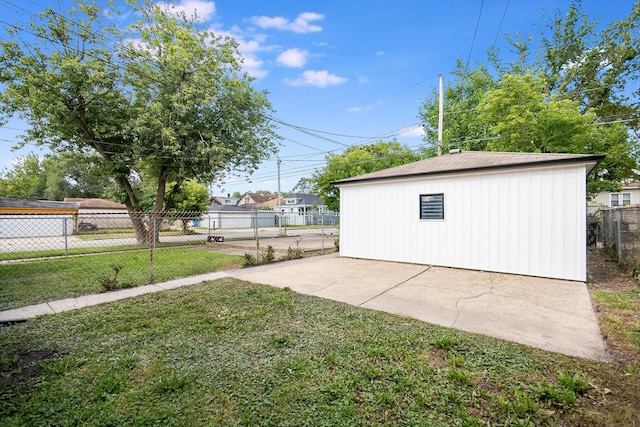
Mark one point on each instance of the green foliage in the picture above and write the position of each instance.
(268, 255)
(166, 118)
(249, 260)
(230, 352)
(355, 161)
(567, 392)
(573, 95)
(294, 253)
(25, 180)
(55, 177)
(41, 280)
(111, 283)
(194, 197)
(462, 128)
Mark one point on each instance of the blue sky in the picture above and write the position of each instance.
(346, 72)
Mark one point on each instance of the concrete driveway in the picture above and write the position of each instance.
(554, 315)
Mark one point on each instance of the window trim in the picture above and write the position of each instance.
(421, 212)
(620, 201)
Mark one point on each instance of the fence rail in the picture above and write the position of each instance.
(619, 232)
(174, 244)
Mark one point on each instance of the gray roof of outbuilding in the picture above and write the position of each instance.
(36, 204)
(228, 208)
(306, 199)
(473, 161)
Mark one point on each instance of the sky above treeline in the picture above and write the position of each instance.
(343, 73)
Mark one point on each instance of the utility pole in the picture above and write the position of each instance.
(279, 201)
(440, 117)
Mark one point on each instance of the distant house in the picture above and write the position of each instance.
(223, 200)
(253, 200)
(36, 218)
(302, 203)
(299, 209)
(519, 213)
(628, 196)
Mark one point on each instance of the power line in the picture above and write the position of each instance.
(501, 22)
(475, 33)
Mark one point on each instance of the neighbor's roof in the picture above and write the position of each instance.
(8, 205)
(96, 203)
(305, 199)
(260, 198)
(228, 208)
(473, 161)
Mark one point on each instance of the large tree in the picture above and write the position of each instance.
(25, 180)
(576, 92)
(163, 101)
(358, 160)
(55, 177)
(521, 118)
(461, 126)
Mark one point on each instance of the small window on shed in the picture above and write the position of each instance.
(432, 206)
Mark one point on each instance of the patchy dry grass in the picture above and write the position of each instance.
(235, 353)
(616, 298)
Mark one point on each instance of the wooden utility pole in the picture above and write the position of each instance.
(440, 117)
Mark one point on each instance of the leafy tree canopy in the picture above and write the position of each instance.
(573, 94)
(163, 100)
(358, 160)
(56, 177)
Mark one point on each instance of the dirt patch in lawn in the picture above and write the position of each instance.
(615, 295)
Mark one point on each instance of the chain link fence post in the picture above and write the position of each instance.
(66, 239)
(323, 236)
(151, 236)
(255, 232)
(619, 234)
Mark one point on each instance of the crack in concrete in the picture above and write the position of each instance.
(325, 287)
(472, 297)
(395, 286)
(50, 308)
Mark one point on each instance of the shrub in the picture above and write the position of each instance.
(268, 256)
(111, 283)
(248, 260)
(294, 253)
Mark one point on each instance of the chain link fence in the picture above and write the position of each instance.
(147, 247)
(618, 230)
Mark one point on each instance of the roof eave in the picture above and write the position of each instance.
(592, 161)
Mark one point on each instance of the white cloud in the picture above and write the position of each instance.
(248, 49)
(302, 23)
(381, 53)
(204, 9)
(369, 107)
(316, 78)
(294, 58)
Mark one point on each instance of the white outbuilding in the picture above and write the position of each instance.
(519, 213)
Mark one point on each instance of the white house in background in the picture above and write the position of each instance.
(520, 213)
(628, 196)
(297, 203)
(223, 200)
(300, 209)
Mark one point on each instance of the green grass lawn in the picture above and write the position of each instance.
(234, 353)
(30, 282)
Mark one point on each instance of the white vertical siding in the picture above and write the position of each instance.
(525, 221)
